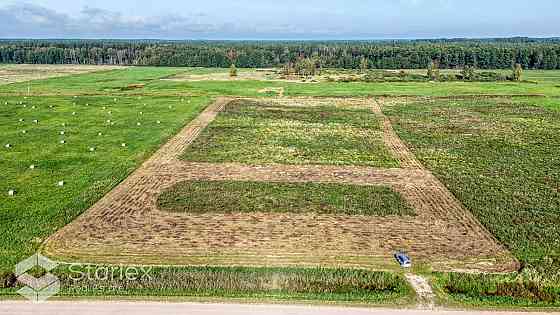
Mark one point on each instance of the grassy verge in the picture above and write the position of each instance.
(529, 289)
(283, 284)
(90, 163)
(204, 196)
(261, 133)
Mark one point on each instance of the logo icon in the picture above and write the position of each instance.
(37, 289)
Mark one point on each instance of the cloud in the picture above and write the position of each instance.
(287, 19)
(29, 20)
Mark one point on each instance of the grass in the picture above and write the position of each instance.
(40, 206)
(97, 83)
(283, 284)
(262, 133)
(10, 73)
(527, 289)
(220, 197)
(116, 82)
(500, 158)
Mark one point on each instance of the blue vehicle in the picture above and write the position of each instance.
(403, 259)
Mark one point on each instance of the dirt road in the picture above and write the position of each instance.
(149, 308)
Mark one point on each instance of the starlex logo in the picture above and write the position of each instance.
(37, 289)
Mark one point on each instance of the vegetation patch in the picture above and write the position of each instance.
(345, 285)
(527, 289)
(10, 73)
(232, 196)
(76, 141)
(257, 132)
(500, 158)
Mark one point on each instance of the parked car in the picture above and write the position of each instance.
(403, 259)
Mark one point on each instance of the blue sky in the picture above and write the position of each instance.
(285, 19)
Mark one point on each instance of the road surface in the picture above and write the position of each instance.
(157, 308)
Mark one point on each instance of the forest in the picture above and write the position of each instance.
(402, 54)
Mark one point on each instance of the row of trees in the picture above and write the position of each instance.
(487, 54)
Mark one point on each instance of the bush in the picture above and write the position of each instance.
(232, 71)
(7, 280)
(488, 76)
(524, 286)
(448, 77)
(282, 283)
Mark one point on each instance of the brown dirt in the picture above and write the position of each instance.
(242, 75)
(126, 227)
(394, 143)
(278, 90)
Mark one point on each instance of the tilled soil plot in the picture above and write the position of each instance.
(127, 227)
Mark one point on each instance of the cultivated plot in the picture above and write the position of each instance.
(265, 132)
(500, 158)
(149, 218)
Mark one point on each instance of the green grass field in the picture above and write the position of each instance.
(102, 123)
(526, 289)
(219, 197)
(117, 82)
(259, 133)
(498, 156)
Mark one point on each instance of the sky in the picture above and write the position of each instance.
(279, 19)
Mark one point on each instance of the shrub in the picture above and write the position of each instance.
(232, 70)
(7, 280)
(433, 71)
(468, 73)
(517, 72)
(524, 286)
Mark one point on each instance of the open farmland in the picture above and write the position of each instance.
(88, 143)
(460, 182)
(21, 73)
(294, 132)
(127, 225)
(500, 157)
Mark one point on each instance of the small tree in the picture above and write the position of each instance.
(306, 67)
(364, 64)
(288, 68)
(232, 70)
(517, 72)
(232, 57)
(433, 71)
(468, 73)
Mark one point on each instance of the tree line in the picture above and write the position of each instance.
(411, 54)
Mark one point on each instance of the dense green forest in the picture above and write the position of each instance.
(410, 54)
